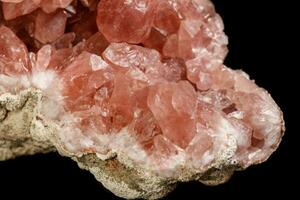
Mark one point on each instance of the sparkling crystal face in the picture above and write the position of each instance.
(144, 78)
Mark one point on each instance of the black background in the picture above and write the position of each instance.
(262, 40)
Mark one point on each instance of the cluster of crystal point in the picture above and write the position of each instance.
(140, 78)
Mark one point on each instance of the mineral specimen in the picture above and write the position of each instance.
(135, 91)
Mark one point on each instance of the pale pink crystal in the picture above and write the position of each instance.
(16, 8)
(12, 10)
(86, 68)
(49, 6)
(96, 44)
(125, 21)
(173, 105)
(13, 53)
(49, 27)
(166, 19)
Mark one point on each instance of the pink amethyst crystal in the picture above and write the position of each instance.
(143, 79)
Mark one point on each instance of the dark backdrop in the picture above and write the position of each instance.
(262, 36)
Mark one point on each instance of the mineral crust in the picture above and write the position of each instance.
(135, 91)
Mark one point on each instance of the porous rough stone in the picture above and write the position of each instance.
(135, 91)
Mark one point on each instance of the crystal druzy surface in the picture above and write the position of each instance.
(143, 79)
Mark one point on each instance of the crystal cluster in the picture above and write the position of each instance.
(143, 79)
